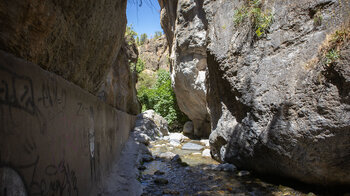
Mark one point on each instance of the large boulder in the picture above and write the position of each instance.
(150, 126)
(187, 40)
(277, 106)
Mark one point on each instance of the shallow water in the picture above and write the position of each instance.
(199, 179)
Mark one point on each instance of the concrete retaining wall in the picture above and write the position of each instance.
(55, 138)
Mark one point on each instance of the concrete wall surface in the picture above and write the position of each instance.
(55, 138)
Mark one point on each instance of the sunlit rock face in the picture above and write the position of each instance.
(78, 40)
(155, 54)
(275, 106)
(185, 25)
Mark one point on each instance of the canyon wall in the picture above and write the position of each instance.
(56, 136)
(277, 92)
(155, 54)
(185, 26)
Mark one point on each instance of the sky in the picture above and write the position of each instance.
(144, 19)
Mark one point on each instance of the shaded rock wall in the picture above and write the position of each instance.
(270, 110)
(78, 40)
(118, 87)
(55, 138)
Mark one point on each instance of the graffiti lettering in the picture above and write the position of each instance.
(57, 180)
(16, 91)
(51, 95)
(81, 109)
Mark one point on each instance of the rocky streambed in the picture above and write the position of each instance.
(156, 162)
(177, 165)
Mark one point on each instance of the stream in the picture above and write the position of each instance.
(172, 170)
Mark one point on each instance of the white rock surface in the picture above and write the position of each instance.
(192, 146)
(206, 153)
(150, 126)
(205, 142)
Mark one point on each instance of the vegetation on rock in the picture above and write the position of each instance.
(331, 49)
(137, 67)
(260, 20)
(157, 94)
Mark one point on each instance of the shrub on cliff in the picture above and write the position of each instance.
(160, 97)
(260, 20)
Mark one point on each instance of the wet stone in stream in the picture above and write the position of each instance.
(202, 176)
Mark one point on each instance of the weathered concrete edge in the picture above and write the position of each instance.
(54, 136)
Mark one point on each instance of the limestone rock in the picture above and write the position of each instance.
(205, 142)
(178, 137)
(206, 153)
(272, 100)
(188, 59)
(118, 87)
(78, 40)
(167, 155)
(192, 146)
(188, 128)
(150, 126)
(155, 54)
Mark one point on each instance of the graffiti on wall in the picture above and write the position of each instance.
(16, 91)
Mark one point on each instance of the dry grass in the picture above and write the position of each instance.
(335, 40)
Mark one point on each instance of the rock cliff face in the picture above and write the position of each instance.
(155, 53)
(278, 103)
(118, 88)
(187, 39)
(78, 40)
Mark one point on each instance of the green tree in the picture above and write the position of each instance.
(138, 67)
(130, 32)
(143, 38)
(157, 34)
(160, 97)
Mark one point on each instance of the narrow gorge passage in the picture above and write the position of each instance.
(174, 97)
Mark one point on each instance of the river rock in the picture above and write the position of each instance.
(151, 125)
(243, 173)
(176, 158)
(161, 181)
(179, 137)
(167, 155)
(205, 142)
(275, 105)
(147, 158)
(142, 138)
(192, 146)
(175, 143)
(225, 167)
(206, 153)
(158, 173)
(188, 128)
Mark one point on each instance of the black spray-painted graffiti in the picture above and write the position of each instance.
(16, 91)
(54, 180)
(52, 97)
